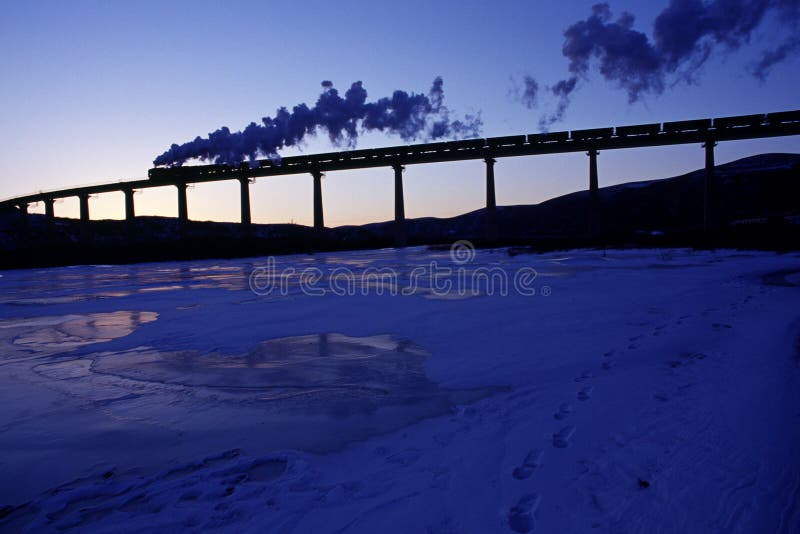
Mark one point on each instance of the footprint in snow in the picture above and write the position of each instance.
(520, 517)
(562, 437)
(563, 412)
(660, 395)
(687, 358)
(584, 376)
(585, 393)
(532, 460)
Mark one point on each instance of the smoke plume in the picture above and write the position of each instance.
(527, 94)
(770, 58)
(562, 91)
(409, 116)
(684, 35)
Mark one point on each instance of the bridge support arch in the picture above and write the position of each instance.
(319, 221)
(399, 207)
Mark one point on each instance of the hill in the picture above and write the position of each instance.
(755, 204)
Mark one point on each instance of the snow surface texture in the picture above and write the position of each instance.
(650, 391)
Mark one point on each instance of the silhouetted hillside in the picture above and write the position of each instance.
(758, 187)
(755, 204)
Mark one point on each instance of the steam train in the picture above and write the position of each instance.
(389, 154)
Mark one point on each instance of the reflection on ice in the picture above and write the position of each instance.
(138, 410)
(326, 373)
(88, 282)
(61, 333)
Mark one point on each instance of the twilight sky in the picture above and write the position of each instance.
(94, 91)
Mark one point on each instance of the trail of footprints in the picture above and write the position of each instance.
(521, 516)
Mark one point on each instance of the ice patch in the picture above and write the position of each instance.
(63, 333)
(323, 374)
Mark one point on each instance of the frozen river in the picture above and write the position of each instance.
(484, 391)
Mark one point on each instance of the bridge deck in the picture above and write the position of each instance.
(635, 136)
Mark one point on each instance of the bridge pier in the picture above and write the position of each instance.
(183, 205)
(244, 184)
(50, 215)
(130, 211)
(399, 207)
(491, 201)
(84, 207)
(594, 219)
(319, 221)
(708, 185)
(593, 185)
(84, 211)
(24, 220)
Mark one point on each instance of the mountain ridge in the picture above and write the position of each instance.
(762, 191)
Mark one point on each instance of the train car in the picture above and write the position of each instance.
(637, 130)
(548, 137)
(699, 125)
(324, 157)
(366, 153)
(741, 121)
(506, 141)
(592, 133)
(177, 174)
(289, 162)
(432, 148)
(392, 152)
(783, 117)
(467, 144)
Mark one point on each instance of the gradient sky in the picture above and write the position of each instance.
(93, 91)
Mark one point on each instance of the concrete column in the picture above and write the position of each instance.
(319, 221)
(708, 185)
(49, 214)
(130, 211)
(245, 198)
(183, 206)
(399, 207)
(593, 186)
(594, 217)
(491, 202)
(23, 212)
(84, 207)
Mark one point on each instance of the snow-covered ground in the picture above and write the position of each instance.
(633, 391)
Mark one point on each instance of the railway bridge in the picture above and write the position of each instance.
(706, 132)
